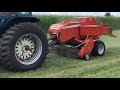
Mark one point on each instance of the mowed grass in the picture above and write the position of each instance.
(107, 66)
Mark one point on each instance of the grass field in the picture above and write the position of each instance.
(107, 66)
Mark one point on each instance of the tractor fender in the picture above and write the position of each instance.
(87, 48)
(15, 20)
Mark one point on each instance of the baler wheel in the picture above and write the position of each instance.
(99, 48)
(86, 57)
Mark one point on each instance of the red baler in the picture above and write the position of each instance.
(79, 37)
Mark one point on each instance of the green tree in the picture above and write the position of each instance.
(107, 14)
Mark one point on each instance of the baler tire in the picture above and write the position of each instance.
(95, 51)
(86, 57)
(8, 46)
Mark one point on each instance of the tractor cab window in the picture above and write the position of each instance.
(24, 14)
(4, 13)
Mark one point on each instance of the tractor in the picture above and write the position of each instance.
(79, 37)
(23, 43)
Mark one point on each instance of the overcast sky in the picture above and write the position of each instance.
(77, 13)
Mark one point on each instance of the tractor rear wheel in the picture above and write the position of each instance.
(98, 49)
(23, 47)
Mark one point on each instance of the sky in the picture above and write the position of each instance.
(77, 13)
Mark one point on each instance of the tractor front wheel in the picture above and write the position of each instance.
(23, 47)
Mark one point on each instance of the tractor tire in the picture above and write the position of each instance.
(0, 54)
(98, 49)
(23, 47)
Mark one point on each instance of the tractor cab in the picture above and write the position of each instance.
(8, 19)
(9, 14)
(5, 16)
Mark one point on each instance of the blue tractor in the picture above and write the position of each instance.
(23, 44)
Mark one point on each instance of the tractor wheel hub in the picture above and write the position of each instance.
(25, 48)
